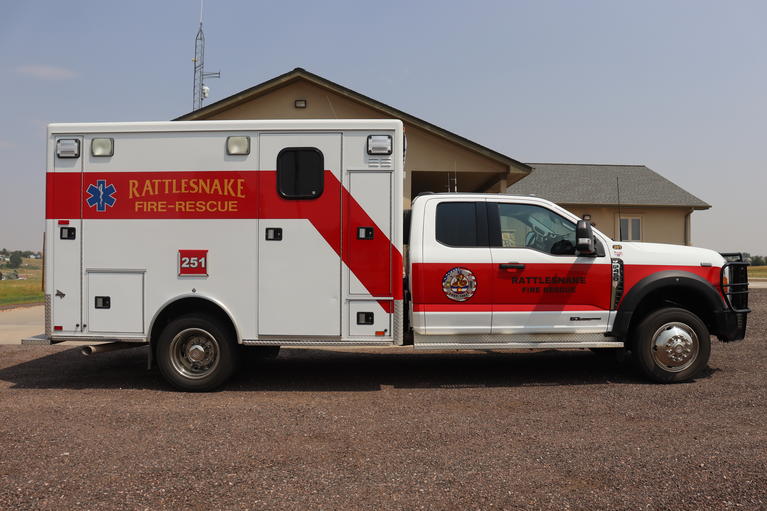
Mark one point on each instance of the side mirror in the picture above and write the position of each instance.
(584, 238)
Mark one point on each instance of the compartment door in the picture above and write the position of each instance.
(115, 302)
(299, 244)
(367, 219)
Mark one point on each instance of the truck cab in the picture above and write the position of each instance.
(502, 271)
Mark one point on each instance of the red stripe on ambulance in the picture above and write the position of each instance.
(234, 194)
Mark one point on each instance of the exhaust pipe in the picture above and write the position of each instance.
(111, 346)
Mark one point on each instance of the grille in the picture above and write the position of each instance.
(379, 162)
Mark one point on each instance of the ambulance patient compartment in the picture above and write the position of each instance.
(115, 301)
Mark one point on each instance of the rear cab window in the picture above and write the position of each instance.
(462, 224)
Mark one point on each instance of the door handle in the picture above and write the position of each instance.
(512, 266)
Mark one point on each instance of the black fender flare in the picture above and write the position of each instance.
(677, 279)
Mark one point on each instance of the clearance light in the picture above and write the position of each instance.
(68, 148)
(379, 144)
(103, 147)
(238, 145)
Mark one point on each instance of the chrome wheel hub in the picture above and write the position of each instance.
(194, 353)
(675, 346)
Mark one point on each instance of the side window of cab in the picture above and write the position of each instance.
(462, 224)
(530, 226)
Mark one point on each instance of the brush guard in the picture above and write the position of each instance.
(733, 280)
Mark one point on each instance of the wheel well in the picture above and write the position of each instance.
(681, 297)
(189, 305)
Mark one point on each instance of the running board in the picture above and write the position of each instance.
(313, 342)
(515, 345)
(515, 341)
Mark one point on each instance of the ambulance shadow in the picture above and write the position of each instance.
(332, 371)
(327, 370)
(67, 368)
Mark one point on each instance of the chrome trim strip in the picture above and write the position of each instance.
(48, 315)
(98, 338)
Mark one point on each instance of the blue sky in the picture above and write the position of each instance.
(679, 86)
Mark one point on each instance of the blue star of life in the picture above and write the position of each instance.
(101, 195)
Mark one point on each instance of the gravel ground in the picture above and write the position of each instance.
(364, 429)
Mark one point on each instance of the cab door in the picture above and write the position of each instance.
(541, 285)
(451, 270)
(299, 235)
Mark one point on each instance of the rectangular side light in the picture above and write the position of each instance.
(237, 145)
(68, 148)
(103, 147)
(379, 144)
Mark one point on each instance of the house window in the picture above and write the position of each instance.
(631, 229)
(300, 173)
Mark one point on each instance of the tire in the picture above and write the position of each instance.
(671, 345)
(257, 353)
(196, 353)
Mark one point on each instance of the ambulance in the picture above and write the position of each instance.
(218, 241)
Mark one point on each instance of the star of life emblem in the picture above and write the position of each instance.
(101, 195)
(459, 284)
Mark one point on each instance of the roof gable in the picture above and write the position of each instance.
(571, 183)
(297, 74)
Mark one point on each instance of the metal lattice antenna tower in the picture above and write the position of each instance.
(200, 91)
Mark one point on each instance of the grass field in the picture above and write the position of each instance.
(29, 290)
(757, 272)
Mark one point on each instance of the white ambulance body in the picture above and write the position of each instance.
(202, 238)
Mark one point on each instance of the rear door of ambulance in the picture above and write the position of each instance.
(64, 222)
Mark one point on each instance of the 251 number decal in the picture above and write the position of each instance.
(193, 262)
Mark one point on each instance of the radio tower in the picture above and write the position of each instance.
(200, 91)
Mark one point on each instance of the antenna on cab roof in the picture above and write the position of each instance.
(620, 220)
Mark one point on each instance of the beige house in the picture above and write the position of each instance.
(652, 208)
(437, 160)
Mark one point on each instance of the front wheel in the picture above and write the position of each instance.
(196, 353)
(671, 345)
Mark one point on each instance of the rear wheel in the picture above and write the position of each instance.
(196, 353)
(671, 345)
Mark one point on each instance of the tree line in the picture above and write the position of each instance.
(15, 257)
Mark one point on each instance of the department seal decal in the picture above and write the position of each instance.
(459, 284)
